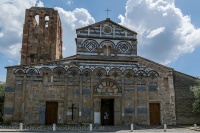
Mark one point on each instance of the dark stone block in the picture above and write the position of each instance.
(142, 111)
(128, 90)
(153, 88)
(86, 91)
(42, 113)
(141, 88)
(8, 110)
(86, 111)
(141, 81)
(9, 89)
(129, 110)
(153, 83)
(77, 91)
(18, 80)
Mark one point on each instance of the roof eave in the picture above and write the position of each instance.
(108, 19)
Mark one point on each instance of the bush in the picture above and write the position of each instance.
(196, 90)
(2, 92)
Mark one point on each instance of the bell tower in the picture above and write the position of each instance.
(42, 36)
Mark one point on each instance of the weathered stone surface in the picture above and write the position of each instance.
(9, 89)
(184, 99)
(42, 36)
(8, 110)
(129, 110)
(42, 113)
(141, 110)
(106, 66)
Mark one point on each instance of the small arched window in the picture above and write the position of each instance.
(107, 50)
(46, 21)
(45, 78)
(37, 19)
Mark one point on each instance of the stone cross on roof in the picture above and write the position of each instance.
(107, 12)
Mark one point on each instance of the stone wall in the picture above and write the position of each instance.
(184, 99)
(165, 94)
(9, 96)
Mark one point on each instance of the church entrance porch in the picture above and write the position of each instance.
(51, 113)
(107, 111)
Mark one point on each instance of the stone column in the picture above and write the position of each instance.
(135, 102)
(65, 98)
(92, 101)
(23, 98)
(80, 97)
(147, 100)
(172, 98)
(122, 100)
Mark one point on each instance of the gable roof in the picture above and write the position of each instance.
(105, 21)
(153, 62)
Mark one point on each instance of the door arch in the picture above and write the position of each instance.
(107, 87)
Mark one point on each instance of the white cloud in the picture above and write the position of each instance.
(40, 4)
(15, 49)
(12, 20)
(1, 34)
(164, 32)
(72, 20)
(11, 25)
(155, 32)
(69, 2)
(165, 14)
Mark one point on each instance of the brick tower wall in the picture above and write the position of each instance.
(42, 36)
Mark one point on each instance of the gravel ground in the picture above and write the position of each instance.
(106, 129)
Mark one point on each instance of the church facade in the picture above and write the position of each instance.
(105, 83)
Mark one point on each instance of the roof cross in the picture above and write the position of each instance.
(107, 12)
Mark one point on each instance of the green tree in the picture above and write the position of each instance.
(196, 90)
(2, 92)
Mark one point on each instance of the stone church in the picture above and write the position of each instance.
(105, 83)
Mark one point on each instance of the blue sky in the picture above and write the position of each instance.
(168, 30)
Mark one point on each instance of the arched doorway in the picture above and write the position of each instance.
(108, 93)
(108, 87)
(107, 111)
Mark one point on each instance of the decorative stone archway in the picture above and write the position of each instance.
(107, 87)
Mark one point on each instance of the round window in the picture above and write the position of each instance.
(107, 29)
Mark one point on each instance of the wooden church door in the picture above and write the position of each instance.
(154, 110)
(51, 113)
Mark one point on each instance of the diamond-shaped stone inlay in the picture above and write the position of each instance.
(128, 75)
(20, 72)
(99, 74)
(124, 48)
(140, 75)
(86, 74)
(73, 73)
(59, 72)
(152, 75)
(31, 72)
(115, 74)
(90, 46)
